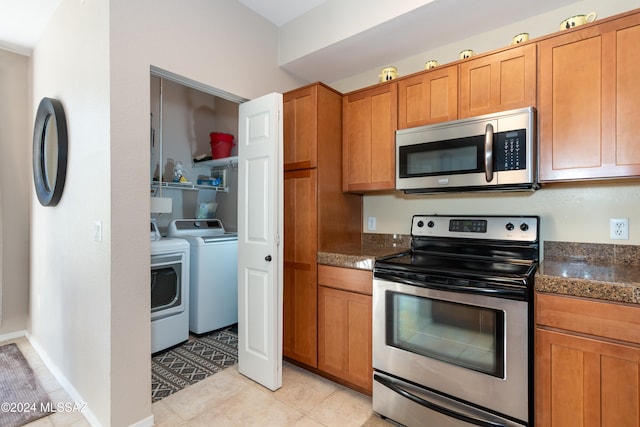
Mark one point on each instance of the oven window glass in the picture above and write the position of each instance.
(446, 160)
(165, 287)
(463, 335)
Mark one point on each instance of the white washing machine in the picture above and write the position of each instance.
(170, 270)
(213, 298)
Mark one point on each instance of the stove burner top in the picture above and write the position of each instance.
(450, 265)
(468, 254)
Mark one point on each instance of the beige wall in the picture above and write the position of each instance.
(90, 300)
(568, 212)
(15, 187)
(71, 305)
(188, 42)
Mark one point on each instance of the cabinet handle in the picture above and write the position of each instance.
(268, 258)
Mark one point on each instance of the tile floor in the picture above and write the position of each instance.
(230, 399)
(52, 387)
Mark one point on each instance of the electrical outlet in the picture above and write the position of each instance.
(371, 224)
(619, 228)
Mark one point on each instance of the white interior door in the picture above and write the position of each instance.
(260, 225)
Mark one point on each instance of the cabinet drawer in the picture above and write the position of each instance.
(603, 319)
(348, 279)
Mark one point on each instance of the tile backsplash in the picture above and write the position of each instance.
(386, 240)
(598, 253)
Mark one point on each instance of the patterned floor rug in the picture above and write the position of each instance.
(193, 361)
(23, 398)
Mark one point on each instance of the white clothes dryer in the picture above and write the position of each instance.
(213, 299)
(170, 262)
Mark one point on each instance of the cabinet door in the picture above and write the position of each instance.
(369, 125)
(585, 382)
(300, 270)
(344, 336)
(300, 128)
(501, 81)
(589, 102)
(429, 97)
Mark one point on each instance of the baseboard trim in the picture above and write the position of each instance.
(147, 422)
(64, 382)
(12, 335)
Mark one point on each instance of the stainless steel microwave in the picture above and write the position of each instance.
(493, 152)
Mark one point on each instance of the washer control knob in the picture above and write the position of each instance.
(509, 226)
(524, 226)
(431, 224)
(420, 223)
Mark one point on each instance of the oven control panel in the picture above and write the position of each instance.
(514, 228)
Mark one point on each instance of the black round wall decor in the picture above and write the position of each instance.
(50, 151)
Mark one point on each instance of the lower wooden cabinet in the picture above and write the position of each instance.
(587, 363)
(344, 325)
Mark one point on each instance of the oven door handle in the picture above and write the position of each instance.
(515, 294)
(389, 383)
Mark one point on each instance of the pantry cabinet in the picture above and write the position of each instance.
(300, 280)
(300, 108)
(587, 363)
(428, 97)
(370, 119)
(317, 214)
(589, 91)
(344, 325)
(500, 81)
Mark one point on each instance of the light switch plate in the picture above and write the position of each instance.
(97, 231)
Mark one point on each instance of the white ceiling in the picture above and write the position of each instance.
(280, 12)
(436, 24)
(22, 22)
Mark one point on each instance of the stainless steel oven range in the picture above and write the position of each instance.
(453, 323)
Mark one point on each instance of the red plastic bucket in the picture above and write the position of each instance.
(221, 145)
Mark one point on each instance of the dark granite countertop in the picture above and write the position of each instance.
(362, 257)
(597, 271)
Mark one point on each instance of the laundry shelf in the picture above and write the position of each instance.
(187, 186)
(217, 163)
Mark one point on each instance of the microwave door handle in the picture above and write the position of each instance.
(488, 152)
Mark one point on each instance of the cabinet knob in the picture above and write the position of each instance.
(268, 258)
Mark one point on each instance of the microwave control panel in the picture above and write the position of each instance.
(510, 150)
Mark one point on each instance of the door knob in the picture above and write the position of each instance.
(267, 258)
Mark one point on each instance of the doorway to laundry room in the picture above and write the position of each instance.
(193, 185)
(196, 200)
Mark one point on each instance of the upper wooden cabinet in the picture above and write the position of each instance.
(428, 97)
(370, 119)
(588, 101)
(304, 109)
(500, 81)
